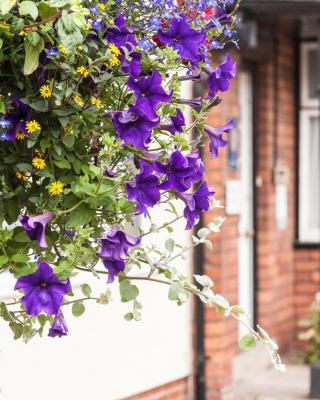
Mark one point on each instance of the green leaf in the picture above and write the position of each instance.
(46, 11)
(17, 329)
(78, 309)
(63, 164)
(174, 290)
(80, 216)
(204, 280)
(20, 258)
(28, 8)
(6, 6)
(128, 291)
(2, 105)
(20, 235)
(247, 342)
(128, 316)
(3, 260)
(169, 245)
(32, 56)
(68, 141)
(34, 38)
(86, 290)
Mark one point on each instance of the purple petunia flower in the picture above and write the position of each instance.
(194, 161)
(119, 35)
(35, 227)
(219, 79)
(182, 38)
(116, 244)
(132, 66)
(144, 190)
(59, 326)
(178, 172)
(215, 135)
(196, 202)
(134, 127)
(178, 121)
(149, 93)
(113, 267)
(43, 291)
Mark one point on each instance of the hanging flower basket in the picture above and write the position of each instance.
(93, 134)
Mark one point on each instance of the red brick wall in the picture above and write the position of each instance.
(276, 120)
(177, 390)
(221, 333)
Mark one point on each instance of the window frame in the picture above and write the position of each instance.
(308, 109)
(306, 234)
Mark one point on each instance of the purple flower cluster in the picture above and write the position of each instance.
(14, 123)
(115, 246)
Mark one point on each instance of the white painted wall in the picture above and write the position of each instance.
(104, 357)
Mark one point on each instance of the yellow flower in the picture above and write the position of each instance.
(45, 91)
(55, 188)
(20, 135)
(96, 102)
(23, 34)
(102, 6)
(62, 49)
(83, 71)
(78, 100)
(33, 126)
(114, 60)
(88, 26)
(38, 163)
(114, 49)
(21, 175)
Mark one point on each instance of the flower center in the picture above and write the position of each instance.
(44, 285)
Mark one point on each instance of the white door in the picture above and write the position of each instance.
(246, 225)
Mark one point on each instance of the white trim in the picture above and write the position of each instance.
(305, 100)
(305, 233)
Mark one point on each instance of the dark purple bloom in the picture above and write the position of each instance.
(215, 135)
(113, 267)
(185, 40)
(59, 326)
(119, 35)
(149, 92)
(116, 244)
(144, 190)
(108, 172)
(13, 123)
(190, 102)
(178, 172)
(196, 163)
(134, 127)
(177, 123)
(195, 203)
(132, 66)
(43, 291)
(35, 227)
(219, 79)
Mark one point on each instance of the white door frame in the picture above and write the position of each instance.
(246, 243)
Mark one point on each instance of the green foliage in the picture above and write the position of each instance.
(310, 332)
(248, 342)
